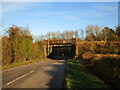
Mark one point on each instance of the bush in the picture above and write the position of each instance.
(18, 46)
(107, 67)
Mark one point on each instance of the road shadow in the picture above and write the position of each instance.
(58, 74)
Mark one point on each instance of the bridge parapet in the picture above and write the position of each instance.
(62, 41)
(77, 43)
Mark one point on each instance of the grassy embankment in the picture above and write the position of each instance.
(22, 63)
(105, 66)
(78, 77)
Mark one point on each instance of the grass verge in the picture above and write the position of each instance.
(78, 77)
(21, 63)
(106, 67)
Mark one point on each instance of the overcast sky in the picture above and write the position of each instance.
(59, 16)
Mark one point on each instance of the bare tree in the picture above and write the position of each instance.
(48, 35)
(76, 34)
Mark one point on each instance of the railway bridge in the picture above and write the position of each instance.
(63, 47)
(71, 47)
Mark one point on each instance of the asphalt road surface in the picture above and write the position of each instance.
(45, 74)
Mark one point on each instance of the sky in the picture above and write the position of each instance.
(43, 17)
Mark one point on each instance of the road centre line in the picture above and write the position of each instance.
(19, 77)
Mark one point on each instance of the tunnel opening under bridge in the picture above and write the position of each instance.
(62, 52)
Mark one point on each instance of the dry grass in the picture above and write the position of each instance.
(106, 66)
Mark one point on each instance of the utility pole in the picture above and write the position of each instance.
(48, 47)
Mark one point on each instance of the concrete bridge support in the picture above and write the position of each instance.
(76, 51)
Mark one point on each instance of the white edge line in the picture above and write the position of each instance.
(19, 77)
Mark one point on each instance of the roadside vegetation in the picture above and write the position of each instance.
(22, 63)
(18, 47)
(106, 67)
(79, 77)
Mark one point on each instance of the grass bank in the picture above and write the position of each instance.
(22, 63)
(78, 77)
(106, 67)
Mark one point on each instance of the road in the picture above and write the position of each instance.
(45, 74)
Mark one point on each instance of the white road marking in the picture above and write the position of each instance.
(19, 77)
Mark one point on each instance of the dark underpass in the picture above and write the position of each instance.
(62, 52)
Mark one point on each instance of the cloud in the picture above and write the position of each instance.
(89, 14)
(60, 0)
(12, 6)
(60, 14)
(69, 17)
(66, 15)
(99, 11)
(96, 11)
(0, 13)
(106, 7)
